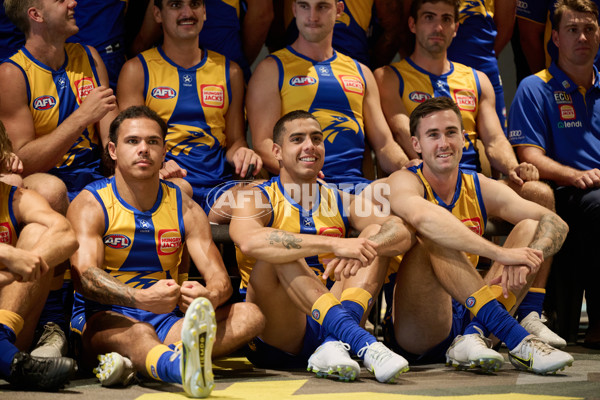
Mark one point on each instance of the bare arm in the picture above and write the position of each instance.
(130, 88)
(504, 18)
(263, 105)
(255, 27)
(394, 110)
(149, 32)
(531, 35)
(389, 154)
(389, 13)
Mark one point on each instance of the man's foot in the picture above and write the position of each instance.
(384, 363)
(114, 370)
(40, 373)
(534, 355)
(534, 325)
(198, 335)
(472, 351)
(52, 343)
(332, 359)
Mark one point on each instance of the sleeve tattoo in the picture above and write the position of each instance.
(288, 240)
(105, 289)
(549, 235)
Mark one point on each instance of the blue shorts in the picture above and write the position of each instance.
(263, 355)
(206, 197)
(83, 309)
(461, 317)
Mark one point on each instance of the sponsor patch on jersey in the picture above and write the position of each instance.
(117, 241)
(419, 97)
(5, 233)
(334, 231)
(83, 87)
(302, 80)
(163, 93)
(473, 224)
(212, 96)
(43, 103)
(466, 100)
(169, 241)
(515, 134)
(567, 112)
(562, 98)
(352, 84)
(316, 314)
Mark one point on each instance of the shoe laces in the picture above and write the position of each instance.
(378, 352)
(50, 329)
(344, 346)
(541, 347)
(487, 342)
(176, 351)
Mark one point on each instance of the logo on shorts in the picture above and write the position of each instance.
(316, 314)
(169, 241)
(566, 112)
(466, 100)
(470, 302)
(212, 96)
(117, 241)
(163, 93)
(419, 97)
(352, 84)
(302, 80)
(5, 233)
(43, 103)
(83, 87)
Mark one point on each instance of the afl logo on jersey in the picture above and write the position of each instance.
(301, 80)
(43, 103)
(117, 241)
(419, 97)
(169, 241)
(163, 93)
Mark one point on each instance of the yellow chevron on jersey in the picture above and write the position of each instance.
(55, 95)
(8, 222)
(326, 218)
(469, 8)
(235, 4)
(467, 203)
(141, 247)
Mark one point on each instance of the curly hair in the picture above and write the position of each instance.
(5, 145)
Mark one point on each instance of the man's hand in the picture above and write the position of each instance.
(521, 256)
(98, 103)
(12, 165)
(160, 298)
(191, 290)
(524, 172)
(361, 249)
(171, 169)
(513, 278)
(586, 179)
(25, 265)
(243, 158)
(342, 267)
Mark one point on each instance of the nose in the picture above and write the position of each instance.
(73, 4)
(143, 147)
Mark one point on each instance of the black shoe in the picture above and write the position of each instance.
(29, 372)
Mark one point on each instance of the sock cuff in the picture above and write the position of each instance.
(152, 359)
(359, 296)
(479, 298)
(12, 320)
(322, 306)
(507, 303)
(537, 290)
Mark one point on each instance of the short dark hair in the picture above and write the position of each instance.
(430, 106)
(582, 6)
(135, 112)
(416, 5)
(158, 3)
(279, 128)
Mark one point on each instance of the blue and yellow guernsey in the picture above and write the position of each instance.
(9, 228)
(461, 84)
(326, 218)
(193, 102)
(466, 205)
(333, 91)
(53, 96)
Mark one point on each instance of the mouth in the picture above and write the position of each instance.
(187, 21)
(144, 162)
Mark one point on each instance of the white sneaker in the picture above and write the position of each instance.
(384, 363)
(114, 369)
(198, 335)
(534, 355)
(472, 351)
(534, 325)
(332, 359)
(52, 343)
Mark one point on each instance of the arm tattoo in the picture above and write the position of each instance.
(101, 287)
(549, 235)
(288, 240)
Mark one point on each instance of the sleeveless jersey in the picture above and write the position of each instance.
(467, 203)
(55, 95)
(333, 91)
(460, 84)
(9, 228)
(326, 218)
(141, 247)
(193, 102)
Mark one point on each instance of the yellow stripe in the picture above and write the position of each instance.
(507, 303)
(13, 320)
(322, 306)
(152, 360)
(479, 299)
(357, 295)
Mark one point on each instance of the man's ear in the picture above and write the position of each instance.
(112, 150)
(416, 144)
(277, 152)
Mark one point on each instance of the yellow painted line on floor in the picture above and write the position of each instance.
(280, 390)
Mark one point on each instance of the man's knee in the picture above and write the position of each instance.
(538, 192)
(51, 188)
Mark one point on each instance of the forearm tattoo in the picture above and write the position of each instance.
(288, 240)
(105, 289)
(550, 235)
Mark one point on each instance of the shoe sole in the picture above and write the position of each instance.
(111, 365)
(487, 365)
(344, 373)
(549, 371)
(394, 377)
(198, 335)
